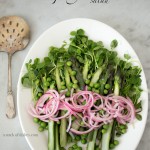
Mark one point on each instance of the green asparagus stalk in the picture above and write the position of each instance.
(85, 70)
(57, 146)
(91, 144)
(96, 75)
(106, 136)
(90, 136)
(52, 85)
(51, 130)
(67, 78)
(79, 76)
(63, 125)
(63, 133)
(58, 81)
(72, 77)
(75, 125)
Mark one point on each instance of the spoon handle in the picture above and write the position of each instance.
(10, 108)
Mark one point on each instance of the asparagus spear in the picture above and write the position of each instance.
(63, 125)
(72, 77)
(75, 125)
(106, 136)
(79, 77)
(63, 133)
(57, 147)
(90, 136)
(91, 144)
(58, 81)
(85, 69)
(51, 130)
(96, 75)
(67, 78)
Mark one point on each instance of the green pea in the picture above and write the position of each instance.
(73, 73)
(43, 124)
(97, 91)
(46, 127)
(75, 81)
(105, 91)
(78, 138)
(83, 136)
(67, 93)
(89, 88)
(83, 141)
(123, 131)
(65, 111)
(45, 88)
(126, 126)
(70, 84)
(73, 118)
(47, 83)
(107, 86)
(116, 142)
(37, 97)
(82, 123)
(91, 84)
(93, 89)
(75, 86)
(101, 112)
(87, 81)
(96, 85)
(69, 63)
(62, 83)
(75, 141)
(84, 102)
(80, 59)
(106, 126)
(139, 117)
(112, 146)
(75, 146)
(48, 79)
(36, 120)
(39, 94)
(122, 127)
(103, 131)
(63, 87)
(37, 81)
(89, 76)
(41, 129)
(39, 122)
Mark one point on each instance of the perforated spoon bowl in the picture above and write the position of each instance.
(14, 36)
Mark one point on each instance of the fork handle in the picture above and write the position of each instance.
(10, 108)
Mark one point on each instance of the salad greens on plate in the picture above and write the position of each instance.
(84, 94)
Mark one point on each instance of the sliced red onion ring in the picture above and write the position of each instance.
(92, 114)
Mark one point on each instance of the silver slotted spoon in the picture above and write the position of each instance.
(14, 36)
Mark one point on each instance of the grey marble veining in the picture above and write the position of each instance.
(131, 18)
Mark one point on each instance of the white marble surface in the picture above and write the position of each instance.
(131, 18)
